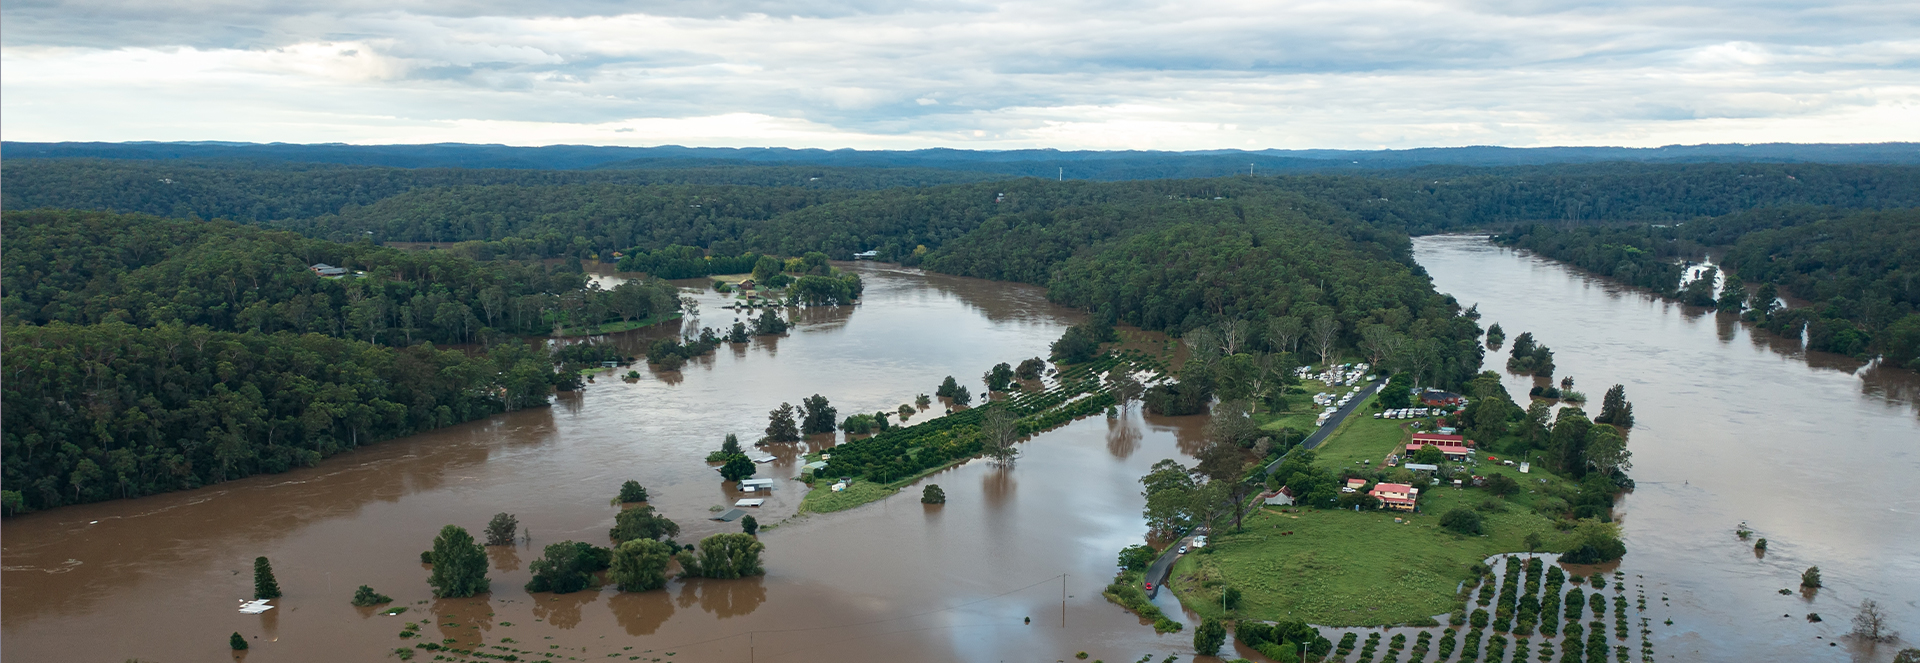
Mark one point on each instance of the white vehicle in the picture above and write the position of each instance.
(1200, 541)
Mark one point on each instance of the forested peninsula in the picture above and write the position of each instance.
(1859, 270)
(146, 354)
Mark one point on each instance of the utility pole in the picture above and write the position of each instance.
(1063, 174)
(1063, 600)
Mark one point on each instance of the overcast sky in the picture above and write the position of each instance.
(960, 73)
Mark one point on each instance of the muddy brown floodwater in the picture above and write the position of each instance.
(160, 578)
(1816, 452)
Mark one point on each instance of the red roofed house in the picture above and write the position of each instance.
(1440, 399)
(1456, 447)
(1354, 485)
(1397, 496)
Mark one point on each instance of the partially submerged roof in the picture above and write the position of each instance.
(730, 516)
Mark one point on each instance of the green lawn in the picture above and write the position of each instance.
(1303, 412)
(1362, 437)
(1342, 568)
(822, 499)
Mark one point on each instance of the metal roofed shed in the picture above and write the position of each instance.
(730, 516)
(749, 502)
(255, 607)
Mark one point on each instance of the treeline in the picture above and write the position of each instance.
(1440, 198)
(259, 191)
(92, 267)
(785, 210)
(1859, 269)
(110, 410)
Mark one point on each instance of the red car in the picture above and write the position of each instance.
(1149, 585)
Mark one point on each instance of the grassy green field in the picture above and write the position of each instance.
(822, 499)
(1303, 412)
(1362, 437)
(1342, 568)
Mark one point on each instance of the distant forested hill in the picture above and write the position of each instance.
(248, 191)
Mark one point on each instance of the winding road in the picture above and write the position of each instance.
(1157, 572)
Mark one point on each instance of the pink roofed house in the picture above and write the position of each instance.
(1354, 485)
(1397, 496)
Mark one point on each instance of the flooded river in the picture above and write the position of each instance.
(1813, 451)
(160, 578)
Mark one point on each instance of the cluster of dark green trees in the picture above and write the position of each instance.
(89, 267)
(145, 355)
(1860, 270)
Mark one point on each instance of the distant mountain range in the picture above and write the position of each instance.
(1082, 164)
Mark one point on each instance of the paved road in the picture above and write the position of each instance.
(1333, 422)
(1157, 571)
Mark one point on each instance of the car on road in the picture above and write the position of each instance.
(1183, 550)
(1149, 585)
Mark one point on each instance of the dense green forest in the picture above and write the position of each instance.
(1860, 270)
(259, 192)
(111, 410)
(92, 267)
(143, 354)
(792, 209)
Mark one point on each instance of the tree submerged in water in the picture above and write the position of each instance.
(237, 642)
(568, 567)
(459, 564)
(723, 556)
(366, 597)
(933, 494)
(264, 586)
(782, 425)
(1811, 578)
(501, 529)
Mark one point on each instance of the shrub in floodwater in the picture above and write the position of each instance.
(501, 529)
(237, 642)
(1811, 578)
(632, 491)
(1209, 637)
(264, 586)
(933, 494)
(1598, 581)
(365, 596)
(1760, 546)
